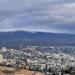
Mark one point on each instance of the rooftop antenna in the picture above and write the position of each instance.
(13, 46)
(9, 46)
(27, 46)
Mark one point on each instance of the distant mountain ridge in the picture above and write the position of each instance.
(18, 38)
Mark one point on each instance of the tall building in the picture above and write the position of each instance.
(1, 57)
(4, 49)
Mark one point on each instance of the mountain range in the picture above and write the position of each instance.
(22, 38)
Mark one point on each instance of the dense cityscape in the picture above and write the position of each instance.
(39, 59)
(37, 37)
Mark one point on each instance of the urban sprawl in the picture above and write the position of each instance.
(39, 59)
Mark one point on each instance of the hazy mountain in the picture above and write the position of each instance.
(22, 38)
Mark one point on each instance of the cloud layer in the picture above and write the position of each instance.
(38, 15)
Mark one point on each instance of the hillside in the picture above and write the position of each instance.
(22, 38)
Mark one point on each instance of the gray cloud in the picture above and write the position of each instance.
(37, 15)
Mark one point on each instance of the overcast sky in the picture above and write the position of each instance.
(56, 16)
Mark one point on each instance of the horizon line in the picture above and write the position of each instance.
(37, 32)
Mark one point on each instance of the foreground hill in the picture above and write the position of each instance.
(12, 71)
(22, 38)
(27, 72)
